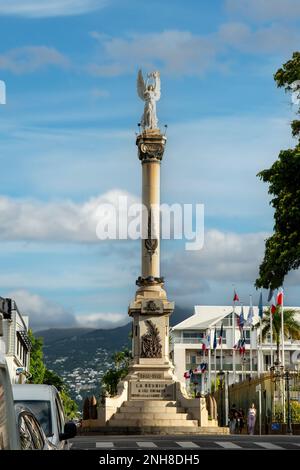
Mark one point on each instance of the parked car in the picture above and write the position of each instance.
(31, 433)
(45, 403)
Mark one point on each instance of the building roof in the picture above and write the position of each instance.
(208, 316)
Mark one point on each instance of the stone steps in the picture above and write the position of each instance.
(135, 421)
(150, 403)
(156, 430)
(152, 410)
(127, 415)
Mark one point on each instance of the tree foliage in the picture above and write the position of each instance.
(112, 377)
(37, 367)
(291, 326)
(41, 375)
(282, 249)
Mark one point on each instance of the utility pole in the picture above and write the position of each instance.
(289, 418)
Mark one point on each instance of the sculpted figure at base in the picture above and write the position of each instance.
(149, 92)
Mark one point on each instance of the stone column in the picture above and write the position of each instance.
(151, 145)
(151, 372)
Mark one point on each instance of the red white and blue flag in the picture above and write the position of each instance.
(279, 300)
(221, 334)
(235, 296)
(273, 304)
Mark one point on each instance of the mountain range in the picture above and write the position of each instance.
(82, 355)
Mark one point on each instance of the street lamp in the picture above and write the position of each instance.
(221, 377)
(277, 373)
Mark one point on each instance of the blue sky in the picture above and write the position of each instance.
(67, 142)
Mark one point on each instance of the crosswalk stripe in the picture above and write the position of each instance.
(187, 445)
(228, 445)
(104, 445)
(147, 444)
(268, 445)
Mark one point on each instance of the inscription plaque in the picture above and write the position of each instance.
(151, 390)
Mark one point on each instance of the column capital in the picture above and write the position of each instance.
(151, 144)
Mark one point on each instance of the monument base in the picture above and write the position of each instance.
(141, 409)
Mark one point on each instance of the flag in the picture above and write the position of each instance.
(215, 339)
(186, 375)
(242, 347)
(221, 334)
(204, 343)
(270, 295)
(273, 304)
(2, 93)
(279, 300)
(203, 367)
(235, 296)
(241, 319)
(250, 313)
(260, 306)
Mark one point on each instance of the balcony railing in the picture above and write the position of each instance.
(192, 340)
(225, 367)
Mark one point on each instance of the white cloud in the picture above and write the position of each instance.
(272, 39)
(265, 9)
(49, 8)
(102, 320)
(178, 51)
(182, 53)
(56, 221)
(31, 58)
(43, 313)
(226, 255)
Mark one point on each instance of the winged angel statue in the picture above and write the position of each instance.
(150, 93)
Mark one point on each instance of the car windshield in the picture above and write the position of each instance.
(42, 410)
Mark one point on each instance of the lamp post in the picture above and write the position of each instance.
(221, 377)
(289, 418)
(278, 374)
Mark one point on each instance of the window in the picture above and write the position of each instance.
(58, 418)
(193, 359)
(42, 410)
(223, 337)
(247, 336)
(193, 334)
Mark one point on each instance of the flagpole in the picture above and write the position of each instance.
(283, 358)
(261, 368)
(222, 353)
(209, 363)
(282, 334)
(271, 334)
(251, 355)
(233, 340)
(215, 353)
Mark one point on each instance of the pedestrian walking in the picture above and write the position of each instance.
(251, 419)
(241, 421)
(233, 419)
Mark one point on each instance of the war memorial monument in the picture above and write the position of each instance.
(151, 399)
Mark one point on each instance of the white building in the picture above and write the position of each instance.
(14, 340)
(188, 354)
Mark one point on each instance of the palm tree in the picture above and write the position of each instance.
(291, 327)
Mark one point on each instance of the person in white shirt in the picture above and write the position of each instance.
(251, 419)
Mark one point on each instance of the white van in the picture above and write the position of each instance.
(44, 401)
